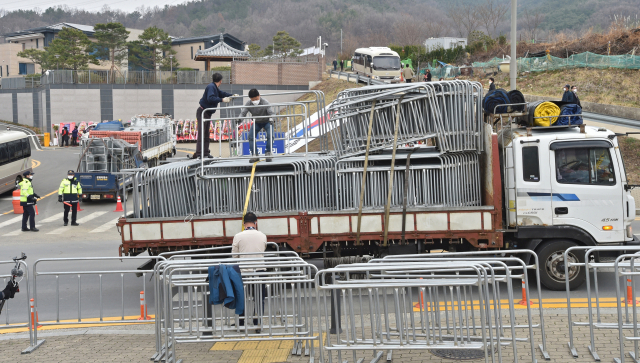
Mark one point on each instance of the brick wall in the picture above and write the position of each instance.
(275, 73)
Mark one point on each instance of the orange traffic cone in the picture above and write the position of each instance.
(119, 206)
(79, 209)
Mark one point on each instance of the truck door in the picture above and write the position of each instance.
(533, 184)
(586, 188)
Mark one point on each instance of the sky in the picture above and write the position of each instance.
(90, 5)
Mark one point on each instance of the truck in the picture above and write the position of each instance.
(543, 189)
(143, 143)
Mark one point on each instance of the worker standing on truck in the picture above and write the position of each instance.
(27, 200)
(261, 107)
(210, 99)
(69, 194)
(247, 241)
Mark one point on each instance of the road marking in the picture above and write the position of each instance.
(35, 164)
(53, 218)
(48, 220)
(105, 227)
(10, 221)
(80, 221)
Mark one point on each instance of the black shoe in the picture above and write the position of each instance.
(65, 223)
(253, 160)
(26, 230)
(269, 158)
(74, 224)
(209, 156)
(34, 230)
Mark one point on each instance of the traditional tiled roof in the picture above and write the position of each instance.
(221, 50)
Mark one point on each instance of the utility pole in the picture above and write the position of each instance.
(513, 66)
(340, 40)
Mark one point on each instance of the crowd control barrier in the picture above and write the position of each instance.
(459, 308)
(57, 268)
(278, 294)
(591, 260)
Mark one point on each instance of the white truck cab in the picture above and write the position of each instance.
(565, 187)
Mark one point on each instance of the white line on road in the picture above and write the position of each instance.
(10, 221)
(46, 220)
(57, 217)
(80, 221)
(105, 227)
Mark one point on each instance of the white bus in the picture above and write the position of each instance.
(379, 63)
(15, 158)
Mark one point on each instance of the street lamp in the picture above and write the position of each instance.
(171, 57)
(57, 56)
(513, 66)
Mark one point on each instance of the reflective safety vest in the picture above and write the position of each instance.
(26, 189)
(70, 189)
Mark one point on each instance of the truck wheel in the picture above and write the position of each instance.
(551, 258)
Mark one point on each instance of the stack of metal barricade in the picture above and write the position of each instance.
(154, 130)
(107, 155)
(440, 121)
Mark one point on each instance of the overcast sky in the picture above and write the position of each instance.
(90, 5)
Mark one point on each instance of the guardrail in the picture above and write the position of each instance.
(358, 78)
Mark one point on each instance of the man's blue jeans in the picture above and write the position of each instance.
(257, 127)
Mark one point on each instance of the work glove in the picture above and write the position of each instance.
(236, 95)
(60, 198)
(226, 99)
(10, 291)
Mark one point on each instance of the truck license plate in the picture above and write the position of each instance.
(95, 197)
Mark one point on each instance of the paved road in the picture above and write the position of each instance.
(96, 236)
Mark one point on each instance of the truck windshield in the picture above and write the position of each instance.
(386, 62)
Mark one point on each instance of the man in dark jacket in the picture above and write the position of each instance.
(492, 85)
(568, 96)
(210, 99)
(65, 136)
(335, 64)
(427, 76)
(69, 194)
(74, 136)
(341, 65)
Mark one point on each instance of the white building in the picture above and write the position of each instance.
(444, 42)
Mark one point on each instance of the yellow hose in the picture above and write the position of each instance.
(546, 109)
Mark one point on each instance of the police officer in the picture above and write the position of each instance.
(27, 200)
(69, 194)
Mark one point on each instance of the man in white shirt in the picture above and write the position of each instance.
(247, 241)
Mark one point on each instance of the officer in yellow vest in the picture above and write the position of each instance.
(69, 194)
(27, 200)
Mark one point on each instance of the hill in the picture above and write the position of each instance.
(364, 22)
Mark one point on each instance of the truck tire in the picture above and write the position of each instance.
(550, 256)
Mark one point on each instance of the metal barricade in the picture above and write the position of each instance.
(517, 271)
(458, 308)
(95, 286)
(594, 265)
(278, 294)
(627, 267)
(17, 301)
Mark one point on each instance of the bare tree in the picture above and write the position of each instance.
(456, 17)
(532, 21)
(491, 13)
(465, 18)
(409, 31)
(434, 29)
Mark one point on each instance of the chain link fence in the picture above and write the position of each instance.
(581, 60)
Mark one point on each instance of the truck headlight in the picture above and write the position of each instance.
(397, 78)
(376, 77)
